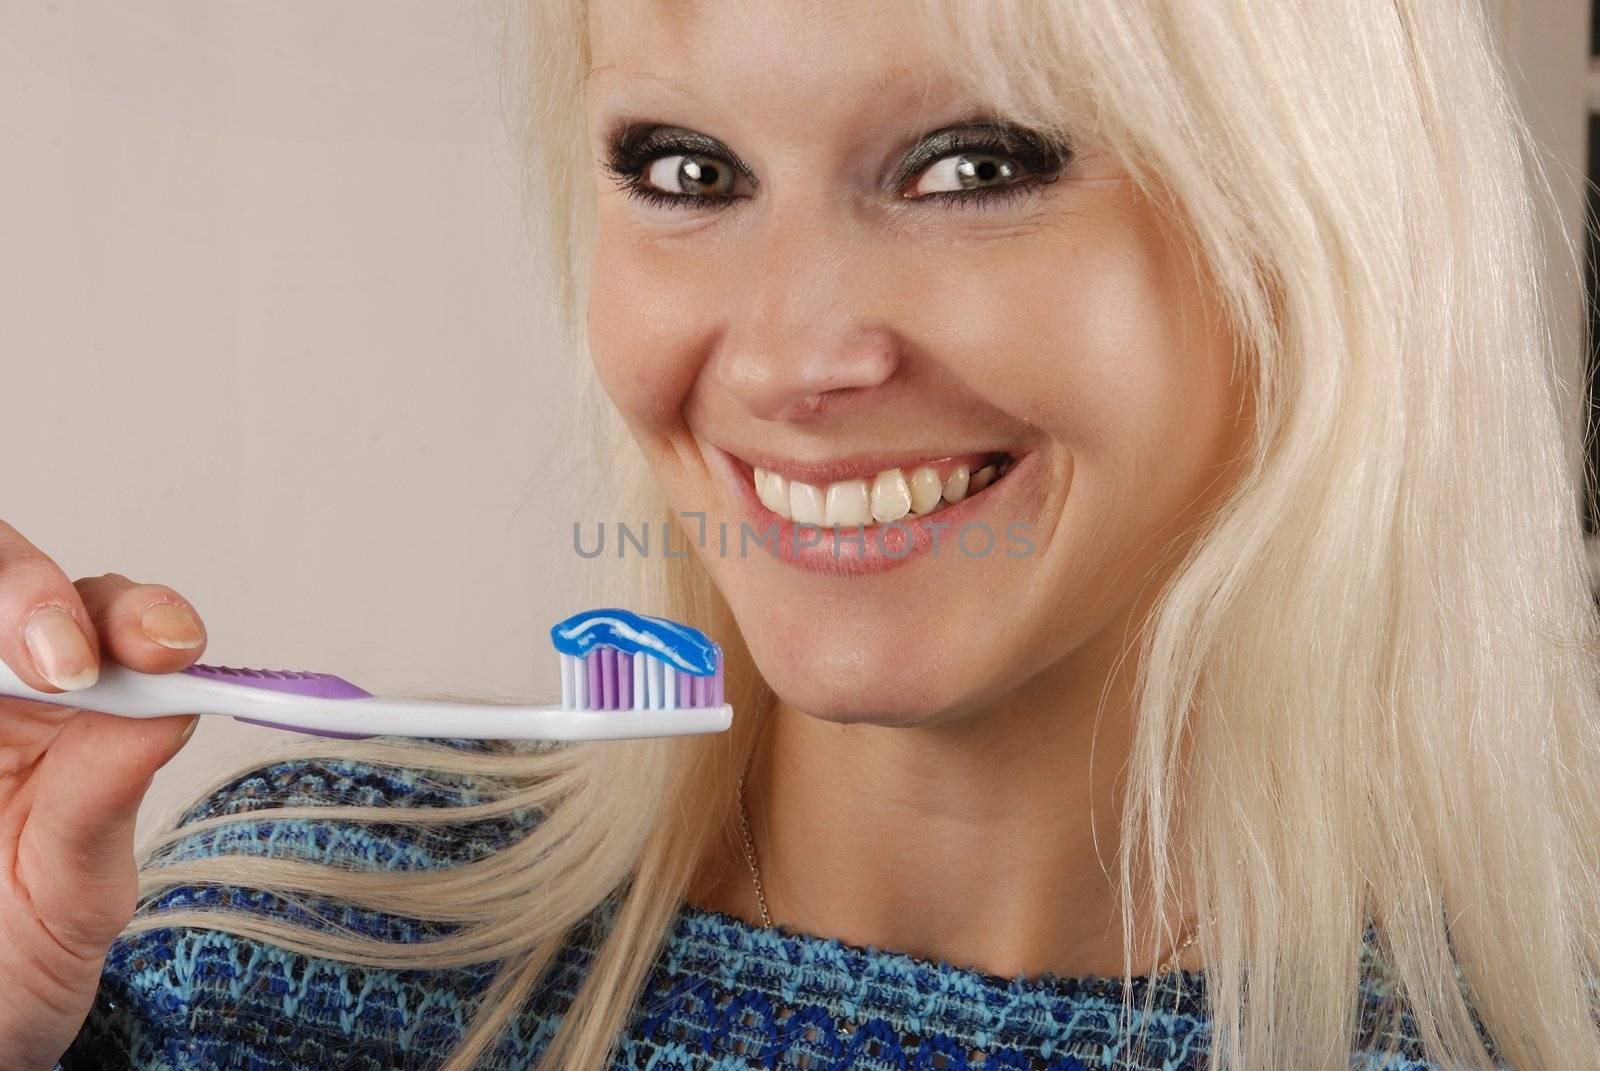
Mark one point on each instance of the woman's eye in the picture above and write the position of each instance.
(692, 176)
(961, 172)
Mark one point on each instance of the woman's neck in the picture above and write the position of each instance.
(989, 842)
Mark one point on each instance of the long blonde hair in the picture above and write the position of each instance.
(1389, 624)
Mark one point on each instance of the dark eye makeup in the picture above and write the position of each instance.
(991, 147)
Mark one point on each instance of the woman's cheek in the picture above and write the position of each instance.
(637, 328)
(1019, 328)
(1082, 333)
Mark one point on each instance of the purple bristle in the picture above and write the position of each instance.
(609, 674)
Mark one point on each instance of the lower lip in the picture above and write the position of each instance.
(820, 549)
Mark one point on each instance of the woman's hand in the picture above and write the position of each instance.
(70, 785)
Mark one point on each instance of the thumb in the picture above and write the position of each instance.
(75, 855)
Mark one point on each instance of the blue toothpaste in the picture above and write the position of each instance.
(686, 649)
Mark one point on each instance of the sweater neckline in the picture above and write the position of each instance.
(831, 963)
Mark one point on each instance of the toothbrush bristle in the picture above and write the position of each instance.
(609, 679)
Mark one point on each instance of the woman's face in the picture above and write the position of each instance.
(851, 289)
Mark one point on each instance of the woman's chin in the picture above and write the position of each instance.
(852, 690)
(901, 662)
(843, 709)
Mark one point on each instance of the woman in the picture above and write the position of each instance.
(1262, 735)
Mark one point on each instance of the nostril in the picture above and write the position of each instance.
(810, 405)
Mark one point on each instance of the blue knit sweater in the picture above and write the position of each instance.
(724, 993)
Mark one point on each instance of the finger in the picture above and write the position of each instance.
(147, 627)
(75, 853)
(46, 636)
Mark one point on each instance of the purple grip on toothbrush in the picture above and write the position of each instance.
(295, 682)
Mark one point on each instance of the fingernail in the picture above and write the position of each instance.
(171, 626)
(60, 651)
(194, 723)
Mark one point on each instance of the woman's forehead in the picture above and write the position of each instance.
(814, 48)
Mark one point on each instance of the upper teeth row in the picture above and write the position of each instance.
(888, 497)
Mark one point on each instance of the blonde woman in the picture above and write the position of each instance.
(1263, 735)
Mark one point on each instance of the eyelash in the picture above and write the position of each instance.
(628, 162)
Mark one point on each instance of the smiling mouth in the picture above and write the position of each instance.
(876, 496)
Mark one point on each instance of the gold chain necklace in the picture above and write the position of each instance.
(761, 897)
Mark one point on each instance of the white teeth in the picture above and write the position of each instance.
(925, 491)
(955, 485)
(773, 490)
(886, 498)
(891, 497)
(778, 491)
(846, 504)
(805, 503)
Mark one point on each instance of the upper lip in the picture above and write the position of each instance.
(858, 466)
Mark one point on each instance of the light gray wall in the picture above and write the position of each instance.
(1547, 44)
(271, 335)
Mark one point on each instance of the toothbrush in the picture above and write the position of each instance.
(623, 676)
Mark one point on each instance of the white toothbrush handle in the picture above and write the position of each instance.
(330, 706)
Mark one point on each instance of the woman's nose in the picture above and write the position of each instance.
(808, 336)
